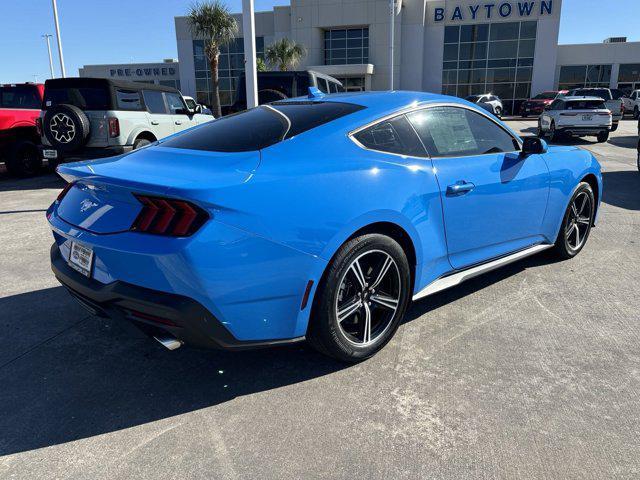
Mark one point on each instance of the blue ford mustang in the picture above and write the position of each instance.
(317, 218)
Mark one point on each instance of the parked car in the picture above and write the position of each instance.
(19, 108)
(274, 86)
(95, 117)
(196, 107)
(638, 158)
(536, 105)
(575, 117)
(319, 218)
(489, 102)
(614, 105)
(631, 103)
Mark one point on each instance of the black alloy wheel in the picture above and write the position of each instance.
(577, 223)
(361, 300)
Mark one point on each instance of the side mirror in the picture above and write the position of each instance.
(533, 146)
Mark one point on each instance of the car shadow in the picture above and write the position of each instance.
(89, 376)
(627, 141)
(45, 180)
(622, 189)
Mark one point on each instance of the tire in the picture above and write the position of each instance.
(636, 112)
(498, 111)
(140, 142)
(524, 115)
(268, 96)
(540, 133)
(347, 340)
(614, 127)
(23, 159)
(638, 156)
(554, 135)
(66, 127)
(568, 244)
(603, 136)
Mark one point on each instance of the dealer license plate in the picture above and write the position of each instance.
(53, 154)
(81, 258)
(587, 118)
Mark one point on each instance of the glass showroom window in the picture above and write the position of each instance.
(230, 67)
(346, 46)
(490, 58)
(578, 76)
(629, 77)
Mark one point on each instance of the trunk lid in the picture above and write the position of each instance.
(102, 198)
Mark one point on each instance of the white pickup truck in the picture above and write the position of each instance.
(632, 103)
(615, 106)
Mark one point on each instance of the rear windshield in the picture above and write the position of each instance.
(260, 127)
(20, 97)
(597, 92)
(585, 105)
(86, 98)
(545, 96)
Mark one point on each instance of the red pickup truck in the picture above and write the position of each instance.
(19, 108)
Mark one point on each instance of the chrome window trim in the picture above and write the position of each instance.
(423, 106)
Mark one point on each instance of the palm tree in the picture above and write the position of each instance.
(211, 20)
(285, 53)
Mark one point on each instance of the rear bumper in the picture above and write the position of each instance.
(154, 312)
(89, 153)
(570, 130)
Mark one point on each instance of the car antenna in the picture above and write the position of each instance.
(314, 92)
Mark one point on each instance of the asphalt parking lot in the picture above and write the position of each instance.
(532, 371)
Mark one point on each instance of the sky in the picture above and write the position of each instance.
(122, 31)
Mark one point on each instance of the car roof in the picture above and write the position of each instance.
(79, 82)
(577, 98)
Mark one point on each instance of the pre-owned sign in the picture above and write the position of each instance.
(493, 10)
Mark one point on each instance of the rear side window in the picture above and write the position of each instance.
(392, 136)
(154, 101)
(585, 105)
(260, 127)
(128, 99)
(20, 97)
(322, 85)
(85, 98)
(453, 132)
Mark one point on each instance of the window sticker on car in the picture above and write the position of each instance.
(451, 131)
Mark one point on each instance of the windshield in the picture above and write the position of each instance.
(260, 127)
(585, 105)
(595, 92)
(545, 96)
(86, 98)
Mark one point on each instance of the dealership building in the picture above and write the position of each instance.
(164, 73)
(457, 47)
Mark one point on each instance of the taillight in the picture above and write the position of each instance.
(39, 126)
(114, 127)
(168, 216)
(64, 191)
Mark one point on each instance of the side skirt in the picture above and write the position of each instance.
(457, 278)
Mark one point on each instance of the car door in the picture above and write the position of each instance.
(179, 112)
(493, 199)
(160, 120)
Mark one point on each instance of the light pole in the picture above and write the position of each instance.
(47, 36)
(392, 31)
(55, 18)
(250, 64)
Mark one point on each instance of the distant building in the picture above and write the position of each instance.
(457, 47)
(165, 73)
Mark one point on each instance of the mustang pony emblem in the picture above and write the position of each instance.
(86, 205)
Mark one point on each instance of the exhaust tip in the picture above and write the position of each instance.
(170, 343)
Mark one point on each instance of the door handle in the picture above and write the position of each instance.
(178, 122)
(459, 188)
(154, 122)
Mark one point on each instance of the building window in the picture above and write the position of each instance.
(490, 58)
(578, 76)
(352, 84)
(629, 77)
(230, 68)
(346, 46)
